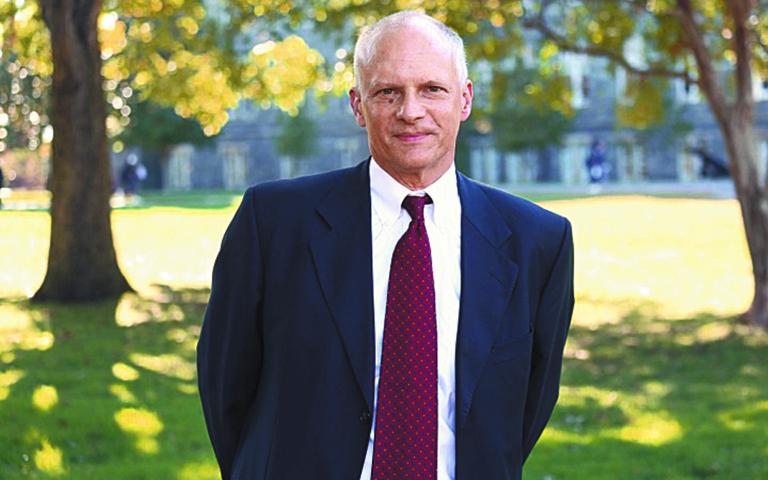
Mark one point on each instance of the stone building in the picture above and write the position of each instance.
(245, 153)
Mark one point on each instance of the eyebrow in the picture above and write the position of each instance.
(378, 85)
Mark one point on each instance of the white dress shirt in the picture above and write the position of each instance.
(389, 221)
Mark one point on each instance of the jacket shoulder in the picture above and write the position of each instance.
(526, 218)
(299, 188)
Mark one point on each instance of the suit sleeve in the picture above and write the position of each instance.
(230, 348)
(553, 319)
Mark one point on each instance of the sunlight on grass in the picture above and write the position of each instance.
(652, 428)
(122, 393)
(676, 253)
(166, 364)
(23, 270)
(713, 332)
(143, 425)
(188, 241)
(746, 417)
(7, 380)
(21, 329)
(125, 372)
(199, 471)
(187, 388)
(556, 435)
(685, 256)
(171, 246)
(49, 459)
(578, 396)
(45, 397)
(636, 417)
(133, 310)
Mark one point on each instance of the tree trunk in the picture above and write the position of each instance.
(752, 193)
(82, 264)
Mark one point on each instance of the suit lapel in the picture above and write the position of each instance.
(340, 243)
(487, 280)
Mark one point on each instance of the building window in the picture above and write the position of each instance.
(179, 173)
(234, 165)
(759, 89)
(346, 149)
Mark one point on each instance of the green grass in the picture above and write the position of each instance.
(659, 381)
(38, 200)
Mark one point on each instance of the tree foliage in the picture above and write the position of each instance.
(183, 54)
(523, 97)
(298, 136)
(154, 127)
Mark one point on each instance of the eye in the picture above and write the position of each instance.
(435, 89)
(387, 91)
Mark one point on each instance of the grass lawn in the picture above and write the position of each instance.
(659, 382)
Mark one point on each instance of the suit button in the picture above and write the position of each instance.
(365, 417)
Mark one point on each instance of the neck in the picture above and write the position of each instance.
(416, 180)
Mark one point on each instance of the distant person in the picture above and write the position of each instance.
(596, 162)
(711, 165)
(132, 174)
(596, 166)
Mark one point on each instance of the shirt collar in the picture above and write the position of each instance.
(387, 196)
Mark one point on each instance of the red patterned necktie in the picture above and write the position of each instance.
(405, 443)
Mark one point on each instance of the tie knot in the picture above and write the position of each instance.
(414, 205)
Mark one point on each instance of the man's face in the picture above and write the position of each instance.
(411, 101)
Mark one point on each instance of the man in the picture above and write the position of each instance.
(394, 320)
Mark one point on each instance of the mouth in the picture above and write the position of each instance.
(412, 137)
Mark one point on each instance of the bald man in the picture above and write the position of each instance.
(394, 320)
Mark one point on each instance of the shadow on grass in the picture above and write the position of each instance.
(103, 391)
(651, 398)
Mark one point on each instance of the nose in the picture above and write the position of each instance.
(411, 108)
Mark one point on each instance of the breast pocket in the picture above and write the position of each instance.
(511, 349)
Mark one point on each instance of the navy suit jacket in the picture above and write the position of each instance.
(286, 353)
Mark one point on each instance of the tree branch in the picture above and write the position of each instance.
(539, 24)
(740, 11)
(759, 41)
(707, 80)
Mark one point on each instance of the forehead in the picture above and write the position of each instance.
(410, 51)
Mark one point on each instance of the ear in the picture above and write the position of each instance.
(355, 103)
(466, 100)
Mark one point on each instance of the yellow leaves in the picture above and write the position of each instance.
(263, 48)
(497, 19)
(207, 93)
(642, 103)
(188, 25)
(22, 32)
(25, 12)
(548, 51)
(112, 34)
(142, 79)
(594, 32)
(280, 72)
(552, 91)
(140, 31)
(659, 6)
(159, 63)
